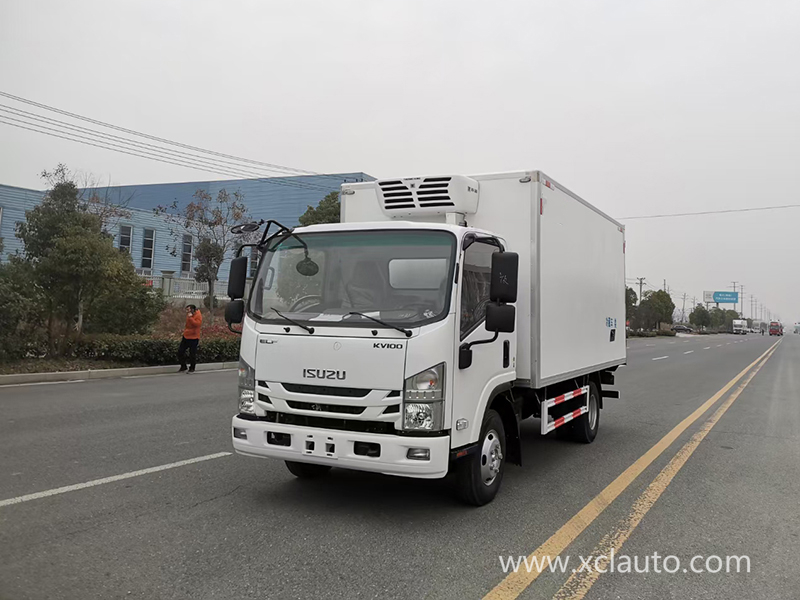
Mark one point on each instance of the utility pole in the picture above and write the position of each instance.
(641, 282)
(683, 309)
(734, 291)
(665, 285)
(741, 291)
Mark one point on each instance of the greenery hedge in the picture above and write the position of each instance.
(650, 333)
(142, 349)
(641, 334)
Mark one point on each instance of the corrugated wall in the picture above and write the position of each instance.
(14, 202)
(284, 199)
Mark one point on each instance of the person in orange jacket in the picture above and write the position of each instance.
(190, 339)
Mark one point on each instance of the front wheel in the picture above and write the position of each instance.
(585, 428)
(306, 470)
(480, 474)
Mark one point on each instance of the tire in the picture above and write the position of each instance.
(479, 475)
(585, 428)
(307, 470)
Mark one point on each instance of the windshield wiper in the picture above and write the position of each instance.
(384, 323)
(292, 321)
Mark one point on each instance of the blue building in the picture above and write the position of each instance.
(149, 238)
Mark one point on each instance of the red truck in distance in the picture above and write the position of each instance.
(775, 328)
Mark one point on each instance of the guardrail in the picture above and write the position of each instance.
(186, 287)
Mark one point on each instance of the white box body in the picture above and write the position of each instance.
(571, 301)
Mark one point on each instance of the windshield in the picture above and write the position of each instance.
(401, 277)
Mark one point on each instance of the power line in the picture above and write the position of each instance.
(160, 139)
(151, 156)
(709, 212)
(226, 169)
(63, 124)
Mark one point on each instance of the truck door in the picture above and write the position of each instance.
(492, 363)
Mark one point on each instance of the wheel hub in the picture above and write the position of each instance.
(491, 457)
(592, 411)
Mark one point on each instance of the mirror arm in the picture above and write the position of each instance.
(236, 331)
(489, 341)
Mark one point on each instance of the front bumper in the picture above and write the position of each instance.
(392, 459)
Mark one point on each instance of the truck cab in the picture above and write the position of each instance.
(392, 345)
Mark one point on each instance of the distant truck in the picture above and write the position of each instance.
(740, 326)
(413, 337)
(775, 328)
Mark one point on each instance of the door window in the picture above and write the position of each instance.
(475, 281)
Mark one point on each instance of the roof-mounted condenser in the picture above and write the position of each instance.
(424, 196)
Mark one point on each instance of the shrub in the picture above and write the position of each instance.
(641, 334)
(153, 351)
(666, 333)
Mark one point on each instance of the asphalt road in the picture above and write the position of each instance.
(235, 527)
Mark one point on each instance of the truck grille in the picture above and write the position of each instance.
(330, 423)
(334, 408)
(325, 390)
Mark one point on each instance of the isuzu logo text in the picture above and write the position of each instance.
(324, 374)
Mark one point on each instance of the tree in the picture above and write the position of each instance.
(209, 257)
(730, 316)
(208, 219)
(717, 317)
(73, 266)
(327, 211)
(700, 317)
(110, 206)
(655, 308)
(630, 303)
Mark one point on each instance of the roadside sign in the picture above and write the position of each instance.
(721, 297)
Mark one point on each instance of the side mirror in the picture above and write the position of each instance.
(500, 318)
(234, 312)
(505, 273)
(237, 277)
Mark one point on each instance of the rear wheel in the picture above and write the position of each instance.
(306, 470)
(585, 428)
(480, 474)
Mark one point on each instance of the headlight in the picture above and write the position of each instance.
(427, 385)
(423, 400)
(247, 388)
(423, 417)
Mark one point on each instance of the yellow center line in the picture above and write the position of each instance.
(516, 582)
(579, 583)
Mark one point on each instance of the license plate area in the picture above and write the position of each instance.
(319, 445)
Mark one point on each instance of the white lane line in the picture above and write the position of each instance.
(688, 351)
(719, 345)
(728, 344)
(650, 345)
(673, 342)
(113, 478)
(685, 341)
(660, 358)
(41, 383)
(707, 348)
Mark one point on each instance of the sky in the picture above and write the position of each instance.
(640, 107)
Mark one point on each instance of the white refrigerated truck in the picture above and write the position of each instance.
(413, 337)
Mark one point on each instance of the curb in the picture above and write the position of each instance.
(106, 373)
